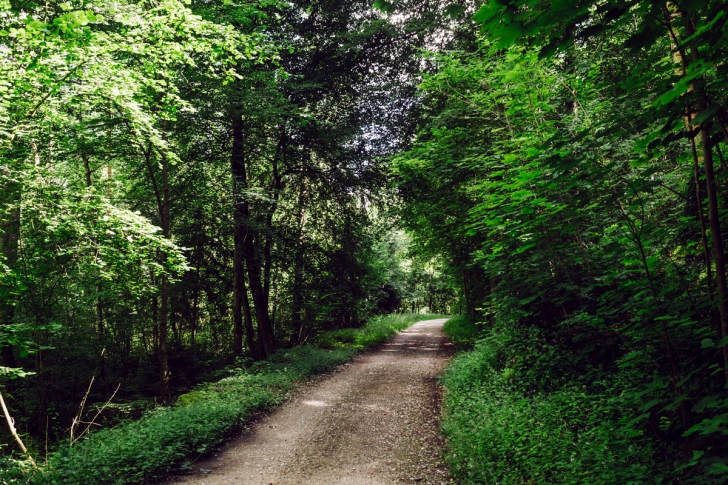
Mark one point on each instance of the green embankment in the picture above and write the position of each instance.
(511, 417)
(168, 439)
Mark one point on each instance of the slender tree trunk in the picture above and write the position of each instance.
(248, 316)
(241, 304)
(240, 213)
(163, 206)
(713, 209)
(266, 339)
(276, 189)
(716, 236)
(245, 246)
(99, 303)
(199, 254)
(297, 297)
(240, 292)
(164, 371)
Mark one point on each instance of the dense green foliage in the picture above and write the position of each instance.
(183, 184)
(186, 183)
(570, 163)
(463, 331)
(513, 411)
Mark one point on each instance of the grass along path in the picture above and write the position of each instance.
(374, 422)
(168, 439)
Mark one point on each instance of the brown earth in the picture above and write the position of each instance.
(373, 422)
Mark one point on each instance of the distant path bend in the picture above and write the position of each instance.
(374, 422)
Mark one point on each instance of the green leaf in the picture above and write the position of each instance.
(705, 115)
(650, 404)
(454, 10)
(706, 403)
(383, 6)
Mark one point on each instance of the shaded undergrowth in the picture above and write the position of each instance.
(168, 439)
(514, 415)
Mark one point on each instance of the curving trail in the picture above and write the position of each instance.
(373, 422)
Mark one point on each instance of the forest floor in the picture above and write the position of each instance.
(375, 421)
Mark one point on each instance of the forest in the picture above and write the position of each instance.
(196, 190)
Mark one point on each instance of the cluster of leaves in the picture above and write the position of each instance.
(183, 183)
(501, 430)
(565, 166)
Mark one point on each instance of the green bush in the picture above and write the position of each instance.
(14, 471)
(504, 428)
(164, 439)
(463, 331)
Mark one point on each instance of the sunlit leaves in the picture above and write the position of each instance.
(383, 6)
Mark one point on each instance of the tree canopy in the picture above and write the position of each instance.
(190, 186)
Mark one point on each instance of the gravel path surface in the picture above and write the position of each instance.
(373, 422)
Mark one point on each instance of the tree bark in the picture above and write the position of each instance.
(297, 290)
(247, 314)
(716, 236)
(276, 189)
(245, 250)
(164, 371)
(713, 209)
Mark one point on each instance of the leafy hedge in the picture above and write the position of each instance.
(165, 439)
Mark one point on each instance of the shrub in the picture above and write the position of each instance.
(14, 471)
(377, 331)
(505, 427)
(463, 331)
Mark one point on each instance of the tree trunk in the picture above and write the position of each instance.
(245, 247)
(99, 303)
(266, 339)
(164, 371)
(713, 209)
(241, 304)
(240, 292)
(716, 236)
(276, 189)
(297, 297)
(247, 314)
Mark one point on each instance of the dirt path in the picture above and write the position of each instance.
(373, 422)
